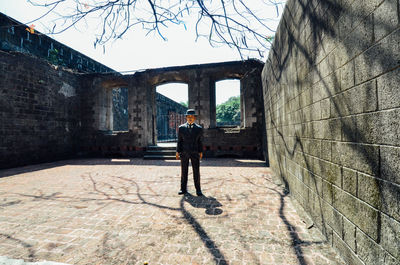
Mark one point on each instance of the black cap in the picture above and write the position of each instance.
(191, 112)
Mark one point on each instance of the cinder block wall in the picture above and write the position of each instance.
(332, 107)
(39, 111)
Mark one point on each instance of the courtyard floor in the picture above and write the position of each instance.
(121, 211)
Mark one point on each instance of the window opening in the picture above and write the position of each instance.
(120, 114)
(228, 103)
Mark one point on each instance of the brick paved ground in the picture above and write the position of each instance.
(102, 211)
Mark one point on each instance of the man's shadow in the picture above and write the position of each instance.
(209, 203)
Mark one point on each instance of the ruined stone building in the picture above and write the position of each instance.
(324, 110)
(65, 113)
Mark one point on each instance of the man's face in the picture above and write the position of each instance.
(190, 118)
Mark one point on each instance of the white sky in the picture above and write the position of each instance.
(136, 51)
(179, 92)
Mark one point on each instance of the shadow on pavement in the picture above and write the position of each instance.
(209, 203)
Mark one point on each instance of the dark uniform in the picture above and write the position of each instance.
(190, 144)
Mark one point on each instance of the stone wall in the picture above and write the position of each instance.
(332, 110)
(49, 113)
(15, 37)
(39, 111)
(142, 108)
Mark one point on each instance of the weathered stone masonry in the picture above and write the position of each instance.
(49, 113)
(332, 108)
(244, 141)
(15, 37)
(52, 113)
(39, 111)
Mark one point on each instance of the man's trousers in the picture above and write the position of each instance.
(195, 159)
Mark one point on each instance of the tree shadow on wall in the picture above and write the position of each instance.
(299, 52)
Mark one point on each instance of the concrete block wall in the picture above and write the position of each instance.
(331, 90)
(39, 111)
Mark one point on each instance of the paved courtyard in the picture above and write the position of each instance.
(121, 211)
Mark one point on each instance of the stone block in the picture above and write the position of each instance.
(306, 114)
(330, 129)
(327, 191)
(388, 92)
(319, 91)
(350, 181)
(317, 129)
(389, 127)
(369, 250)
(360, 157)
(331, 216)
(349, 233)
(316, 111)
(369, 190)
(330, 172)
(361, 214)
(349, 129)
(390, 235)
(365, 128)
(291, 166)
(390, 198)
(307, 177)
(306, 97)
(345, 251)
(390, 260)
(378, 59)
(360, 99)
(348, 75)
(345, 22)
(325, 108)
(314, 148)
(386, 18)
(332, 83)
(326, 150)
(327, 231)
(390, 164)
(315, 209)
(360, 39)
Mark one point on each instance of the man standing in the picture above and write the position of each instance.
(190, 146)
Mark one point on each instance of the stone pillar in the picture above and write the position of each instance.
(109, 110)
(248, 103)
(138, 111)
(150, 115)
(213, 105)
(103, 109)
(199, 98)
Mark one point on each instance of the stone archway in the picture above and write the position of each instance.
(245, 141)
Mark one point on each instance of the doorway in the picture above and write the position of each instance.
(171, 104)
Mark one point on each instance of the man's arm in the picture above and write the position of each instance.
(200, 143)
(179, 144)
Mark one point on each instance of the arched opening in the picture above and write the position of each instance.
(228, 103)
(172, 101)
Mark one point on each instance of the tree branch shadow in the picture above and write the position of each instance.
(323, 17)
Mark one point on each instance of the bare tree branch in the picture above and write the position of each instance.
(224, 22)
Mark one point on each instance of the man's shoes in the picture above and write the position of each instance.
(181, 192)
(199, 193)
